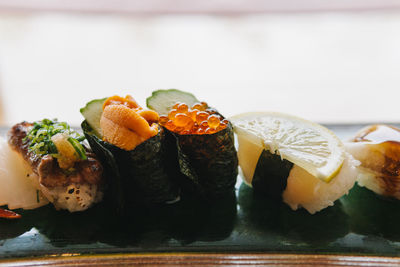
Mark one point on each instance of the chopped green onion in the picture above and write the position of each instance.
(39, 138)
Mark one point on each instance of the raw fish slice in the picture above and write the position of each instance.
(17, 189)
(374, 159)
(377, 147)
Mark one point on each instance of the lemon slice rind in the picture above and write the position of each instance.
(309, 145)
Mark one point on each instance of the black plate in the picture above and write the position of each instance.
(360, 223)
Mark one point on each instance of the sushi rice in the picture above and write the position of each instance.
(74, 197)
(304, 190)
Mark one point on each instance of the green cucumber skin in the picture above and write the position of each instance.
(162, 100)
(92, 113)
(88, 104)
(136, 177)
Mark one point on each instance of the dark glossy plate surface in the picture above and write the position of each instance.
(361, 223)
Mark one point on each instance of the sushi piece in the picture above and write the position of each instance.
(377, 147)
(18, 188)
(61, 167)
(201, 142)
(130, 144)
(287, 157)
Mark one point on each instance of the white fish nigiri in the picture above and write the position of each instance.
(17, 181)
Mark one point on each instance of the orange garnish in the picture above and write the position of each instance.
(8, 214)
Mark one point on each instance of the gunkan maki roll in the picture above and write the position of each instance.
(129, 141)
(202, 142)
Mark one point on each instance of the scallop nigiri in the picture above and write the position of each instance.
(300, 161)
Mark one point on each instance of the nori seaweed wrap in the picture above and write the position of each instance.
(135, 177)
(208, 161)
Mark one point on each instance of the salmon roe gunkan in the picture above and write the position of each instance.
(197, 119)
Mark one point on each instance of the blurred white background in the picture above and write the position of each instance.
(330, 67)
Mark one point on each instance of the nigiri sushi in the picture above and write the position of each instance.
(18, 182)
(287, 157)
(62, 168)
(377, 147)
(130, 144)
(202, 142)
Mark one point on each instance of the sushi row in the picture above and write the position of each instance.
(307, 166)
(181, 147)
(132, 156)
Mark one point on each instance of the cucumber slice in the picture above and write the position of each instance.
(162, 101)
(92, 113)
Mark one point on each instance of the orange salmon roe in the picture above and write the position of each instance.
(204, 124)
(201, 116)
(213, 121)
(182, 108)
(181, 120)
(193, 114)
(163, 119)
(200, 106)
(172, 114)
(176, 105)
(197, 119)
(210, 131)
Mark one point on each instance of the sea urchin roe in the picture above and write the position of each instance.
(128, 101)
(198, 119)
(125, 124)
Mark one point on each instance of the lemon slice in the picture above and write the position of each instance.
(304, 143)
